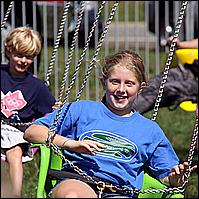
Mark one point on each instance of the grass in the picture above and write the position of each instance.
(178, 125)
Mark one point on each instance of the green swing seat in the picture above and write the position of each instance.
(50, 160)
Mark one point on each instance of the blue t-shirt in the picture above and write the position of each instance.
(132, 143)
(24, 99)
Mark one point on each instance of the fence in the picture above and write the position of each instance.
(142, 26)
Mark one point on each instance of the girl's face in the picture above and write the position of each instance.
(121, 88)
(19, 63)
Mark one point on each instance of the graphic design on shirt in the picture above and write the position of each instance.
(12, 102)
(118, 147)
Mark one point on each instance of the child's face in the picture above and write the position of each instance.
(121, 88)
(20, 62)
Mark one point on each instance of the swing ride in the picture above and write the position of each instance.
(51, 157)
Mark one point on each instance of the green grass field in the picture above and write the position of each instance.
(178, 125)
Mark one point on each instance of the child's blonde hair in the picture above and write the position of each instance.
(24, 40)
(126, 58)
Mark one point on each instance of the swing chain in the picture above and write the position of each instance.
(113, 10)
(51, 136)
(191, 152)
(15, 123)
(59, 34)
(97, 49)
(102, 185)
(71, 51)
(164, 79)
(169, 59)
(6, 15)
(83, 52)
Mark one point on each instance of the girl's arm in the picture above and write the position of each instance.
(39, 134)
(188, 44)
(184, 44)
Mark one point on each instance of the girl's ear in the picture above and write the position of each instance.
(142, 87)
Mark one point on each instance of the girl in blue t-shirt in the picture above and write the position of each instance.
(23, 99)
(108, 140)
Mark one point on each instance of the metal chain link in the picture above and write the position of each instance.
(105, 30)
(59, 34)
(15, 123)
(71, 50)
(161, 89)
(170, 57)
(113, 188)
(96, 52)
(83, 53)
(7, 14)
(101, 185)
(191, 152)
(81, 57)
(58, 151)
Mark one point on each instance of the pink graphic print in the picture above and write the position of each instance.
(12, 102)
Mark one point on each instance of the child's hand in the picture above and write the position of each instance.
(169, 41)
(84, 146)
(176, 177)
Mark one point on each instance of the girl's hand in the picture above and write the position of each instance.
(169, 41)
(83, 146)
(176, 177)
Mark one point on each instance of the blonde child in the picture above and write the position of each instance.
(23, 98)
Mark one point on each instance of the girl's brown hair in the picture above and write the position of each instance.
(126, 58)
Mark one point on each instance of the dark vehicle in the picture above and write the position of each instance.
(164, 28)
